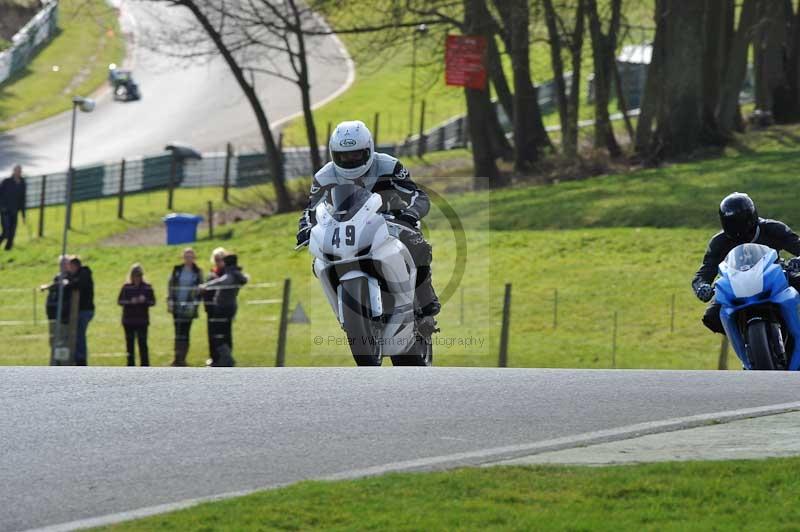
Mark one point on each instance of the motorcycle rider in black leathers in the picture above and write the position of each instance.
(354, 161)
(741, 225)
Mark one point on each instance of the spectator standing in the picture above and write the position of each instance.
(13, 195)
(221, 293)
(51, 305)
(217, 268)
(183, 298)
(136, 297)
(80, 278)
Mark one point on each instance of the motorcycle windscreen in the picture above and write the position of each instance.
(745, 268)
(347, 200)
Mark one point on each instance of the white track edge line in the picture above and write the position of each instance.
(472, 458)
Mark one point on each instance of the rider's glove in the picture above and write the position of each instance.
(704, 292)
(303, 236)
(793, 265)
(408, 218)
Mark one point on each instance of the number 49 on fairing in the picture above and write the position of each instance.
(349, 236)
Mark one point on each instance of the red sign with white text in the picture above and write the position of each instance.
(465, 61)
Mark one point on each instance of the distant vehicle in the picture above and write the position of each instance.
(369, 278)
(122, 84)
(759, 308)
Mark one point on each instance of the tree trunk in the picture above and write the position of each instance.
(540, 136)
(769, 52)
(526, 150)
(574, 101)
(311, 128)
(718, 29)
(787, 95)
(483, 156)
(499, 81)
(304, 84)
(680, 126)
(603, 59)
(274, 159)
(558, 68)
(652, 88)
(622, 104)
(727, 113)
(481, 115)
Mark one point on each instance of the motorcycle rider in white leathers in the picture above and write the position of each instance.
(354, 161)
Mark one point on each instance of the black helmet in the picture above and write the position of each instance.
(738, 216)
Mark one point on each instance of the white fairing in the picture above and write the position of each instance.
(336, 247)
(745, 266)
(748, 283)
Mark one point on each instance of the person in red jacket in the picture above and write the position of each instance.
(136, 297)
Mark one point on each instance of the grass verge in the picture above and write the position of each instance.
(737, 495)
(74, 62)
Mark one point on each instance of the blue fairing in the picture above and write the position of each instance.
(775, 291)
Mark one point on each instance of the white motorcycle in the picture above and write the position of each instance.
(369, 278)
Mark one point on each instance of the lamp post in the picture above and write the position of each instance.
(86, 105)
(419, 30)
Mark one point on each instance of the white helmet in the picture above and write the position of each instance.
(352, 149)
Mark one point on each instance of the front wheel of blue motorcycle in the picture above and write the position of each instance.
(759, 348)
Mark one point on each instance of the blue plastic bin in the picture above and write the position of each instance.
(181, 228)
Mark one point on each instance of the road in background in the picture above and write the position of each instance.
(200, 104)
(77, 443)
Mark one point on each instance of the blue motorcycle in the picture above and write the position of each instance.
(759, 308)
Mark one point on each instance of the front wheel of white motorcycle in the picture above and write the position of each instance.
(420, 354)
(357, 322)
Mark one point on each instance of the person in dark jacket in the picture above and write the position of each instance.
(51, 305)
(13, 195)
(740, 225)
(80, 278)
(222, 292)
(217, 269)
(136, 297)
(182, 302)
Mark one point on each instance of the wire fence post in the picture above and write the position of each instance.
(226, 185)
(41, 206)
(502, 361)
(555, 308)
(210, 219)
(121, 194)
(280, 358)
(422, 141)
(375, 128)
(614, 341)
(722, 363)
(672, 315)
(172, 171)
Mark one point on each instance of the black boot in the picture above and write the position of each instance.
(427, 299)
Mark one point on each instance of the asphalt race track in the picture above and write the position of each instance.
(78, 443)
(200, 104)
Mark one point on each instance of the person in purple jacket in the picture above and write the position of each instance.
(136, 298)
